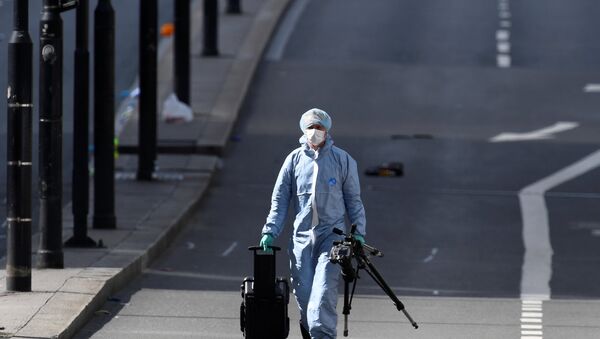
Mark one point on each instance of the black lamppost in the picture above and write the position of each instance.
(18, 254)
(50, 254)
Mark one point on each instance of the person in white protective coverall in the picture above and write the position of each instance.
(321, 182)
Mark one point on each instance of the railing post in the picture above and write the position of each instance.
(20, 50)
(104, 116)
(148, 87)
(181, 65)
(81, 176)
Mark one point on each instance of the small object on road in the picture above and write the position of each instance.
(176, 111)
(387, 169)
(167, 29)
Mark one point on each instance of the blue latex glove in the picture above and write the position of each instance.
(266, 241)
(359, 238)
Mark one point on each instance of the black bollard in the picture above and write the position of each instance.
(148, 87)
(50, 254)
(81, 176)
(20, 50)
(211, 28)
(181, 72)
(234, 7)
(104, 116)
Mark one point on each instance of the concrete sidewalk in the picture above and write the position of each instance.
(149, 214)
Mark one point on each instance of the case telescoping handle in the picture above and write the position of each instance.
(259, 248)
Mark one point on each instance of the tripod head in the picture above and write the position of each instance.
(342, 253)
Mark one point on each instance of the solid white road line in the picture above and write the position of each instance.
(537, 264)
(275, 51)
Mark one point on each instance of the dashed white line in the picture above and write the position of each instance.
(503, 60)
(229, 249)
(504, 15)
(503, 47)
(434, 251)
(502, 35)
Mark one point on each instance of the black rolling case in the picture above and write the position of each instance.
(264, 310)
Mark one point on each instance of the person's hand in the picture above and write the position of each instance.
(266, 241)
(359, 238)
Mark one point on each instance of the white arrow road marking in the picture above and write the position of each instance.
(540, 134)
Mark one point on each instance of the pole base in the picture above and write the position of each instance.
(104, 222)
(50, 259)
(210, 52)
(18, 284)
(80, 242)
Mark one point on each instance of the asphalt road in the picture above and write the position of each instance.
(426, 83)
(126, 60)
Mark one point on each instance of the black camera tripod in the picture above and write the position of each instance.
(344, 252)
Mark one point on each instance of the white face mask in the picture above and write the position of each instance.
(315, 136)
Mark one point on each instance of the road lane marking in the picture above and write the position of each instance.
(229, 249)
(434, 251)
(193, 275)
(503, 61)
(531, 327)
(502, 35)
(503, 47)
(539, 134)
(505, 24)
(280, 40)
(537, 263)
(592, 88)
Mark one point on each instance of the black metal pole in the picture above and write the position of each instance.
(104, 116)
(182, 51)
(20, 50)
(50, 254)
(211, 28)
(234, 7)
(81, 176)
(148, 87)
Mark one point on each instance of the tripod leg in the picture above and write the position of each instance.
(372, 271)
(347, 306)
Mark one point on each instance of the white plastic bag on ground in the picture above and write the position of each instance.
(176, 111)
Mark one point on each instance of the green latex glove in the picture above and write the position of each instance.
(266, 241)
(359, 238)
